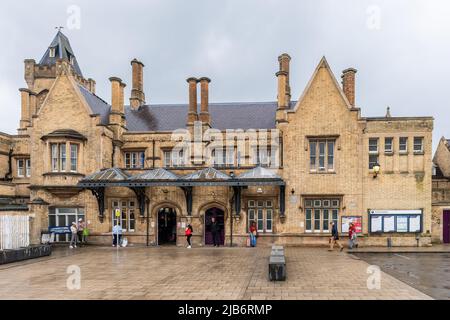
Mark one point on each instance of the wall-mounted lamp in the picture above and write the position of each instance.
(376, 170)
(292, 191)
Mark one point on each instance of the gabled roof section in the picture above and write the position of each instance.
(63, 50)
(157, 174)
(259, 173)
(322, 64)
(111, 174)
(97, 105)
(207, 174)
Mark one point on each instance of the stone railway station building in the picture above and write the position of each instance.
(292, 166)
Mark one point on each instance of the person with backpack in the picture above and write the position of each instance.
(188, 233)
(334, 237)
(74, 235)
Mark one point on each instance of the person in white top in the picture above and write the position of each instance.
(73, 237)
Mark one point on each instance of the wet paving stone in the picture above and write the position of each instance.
(427, 272)
(199, 273)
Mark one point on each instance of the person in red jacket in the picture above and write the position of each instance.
(253, 234)
(188, 233)
(351, 235)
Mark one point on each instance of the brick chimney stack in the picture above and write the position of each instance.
(204, 106)
(192, 113)
(137, 98)
(348, 84)
(117, 101)
(284, 89)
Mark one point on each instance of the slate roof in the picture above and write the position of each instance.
(98, 105)
(237, 115)
(63, 51)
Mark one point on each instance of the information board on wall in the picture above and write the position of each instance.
(405, 221)
(345, 222)
(376, 224)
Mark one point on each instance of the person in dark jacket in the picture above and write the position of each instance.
(334, 237)
(215, 231)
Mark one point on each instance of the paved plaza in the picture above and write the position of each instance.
(198, 273)
(427, 272)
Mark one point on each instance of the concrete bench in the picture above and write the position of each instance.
(277, 264)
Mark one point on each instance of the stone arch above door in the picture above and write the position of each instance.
(212, 204)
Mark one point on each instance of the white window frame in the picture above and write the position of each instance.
(134, 159)
(391, 144)
(58, 156)
(21, 168)
(400, 145)
(74, 157)
(261, 211)
(127, 206)
(377, 140)
(316, 155)
(52, 52)
(415, 144)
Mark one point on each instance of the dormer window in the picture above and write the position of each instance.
(52, 52)
(72, 60)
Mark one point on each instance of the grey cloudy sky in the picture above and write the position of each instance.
(401, 48)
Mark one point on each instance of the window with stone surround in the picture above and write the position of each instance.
(174, 158)
(127, 218)
(373, 152)
(403, 144)
(134, 159)
(388, 145)
(321, 155)
(261, 211)
(23, 168)
(418, 144)
(58, 157)
(319, 213)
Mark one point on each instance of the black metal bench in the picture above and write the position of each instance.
(277, 264)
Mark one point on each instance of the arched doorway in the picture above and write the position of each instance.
(219, 215)
(167, 226)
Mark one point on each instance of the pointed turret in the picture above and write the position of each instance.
(60, 49)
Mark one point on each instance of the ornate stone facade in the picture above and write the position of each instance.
(323, 149)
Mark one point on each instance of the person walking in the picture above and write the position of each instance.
(253, 234)
(334, 237)
(188, 232)
(80, 228)
(117, 235)
(215, 231)
(351, 235)
(73, 235)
